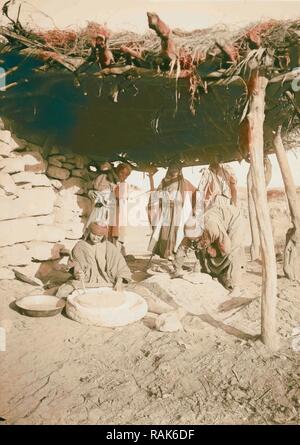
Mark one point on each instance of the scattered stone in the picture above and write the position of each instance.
(7, 184)
(35, 202)
(37, 180)
(6, 274)
(170, 322)
(17, 255)
(150, 320)
(51, 234)
(58, 173)
(17, 231)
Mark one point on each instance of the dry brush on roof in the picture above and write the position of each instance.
(235, 47)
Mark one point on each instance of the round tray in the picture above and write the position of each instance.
(124, 308)
(40, 305)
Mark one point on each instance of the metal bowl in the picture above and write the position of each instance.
(40, 305)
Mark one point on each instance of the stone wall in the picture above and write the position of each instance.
(43, 208)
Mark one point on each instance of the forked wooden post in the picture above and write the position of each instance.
(291, 264)
(255, 118)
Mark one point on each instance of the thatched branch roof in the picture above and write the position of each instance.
(144, 107)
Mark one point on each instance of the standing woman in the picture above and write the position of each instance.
(109, 195)
(218, 184)
(102, 195)
(118, 217)
(169, 208)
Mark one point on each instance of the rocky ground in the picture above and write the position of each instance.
(57, 371)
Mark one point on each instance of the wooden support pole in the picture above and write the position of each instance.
(291, 264)
(255, 243)
(255, 118)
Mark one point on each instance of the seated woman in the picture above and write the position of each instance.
(220, 248)
(96, 262)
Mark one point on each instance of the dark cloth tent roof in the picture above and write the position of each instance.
(142, 115)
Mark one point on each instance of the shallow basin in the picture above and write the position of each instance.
(40, 305)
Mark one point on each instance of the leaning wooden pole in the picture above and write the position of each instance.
(255, 117)
(291, 263)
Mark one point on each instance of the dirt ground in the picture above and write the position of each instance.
(57, 371)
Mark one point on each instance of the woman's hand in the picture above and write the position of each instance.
(93, 194)
(119, 287)
(211, 251)
(204, 241)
